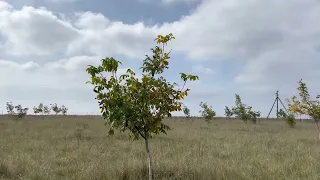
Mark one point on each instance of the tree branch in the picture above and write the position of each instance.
(144, 137)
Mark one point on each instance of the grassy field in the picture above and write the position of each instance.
(78, 148)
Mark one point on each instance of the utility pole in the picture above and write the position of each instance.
(277, 97)
(277, 101)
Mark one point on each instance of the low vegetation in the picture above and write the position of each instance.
(70, 147)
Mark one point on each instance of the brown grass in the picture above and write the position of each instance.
(78, 148)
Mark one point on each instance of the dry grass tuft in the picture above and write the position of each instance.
(78, 148)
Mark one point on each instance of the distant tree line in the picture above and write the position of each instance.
(41, 109)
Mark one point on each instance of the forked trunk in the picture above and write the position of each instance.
(149, 158)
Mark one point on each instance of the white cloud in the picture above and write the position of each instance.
(169, 2)
(62, 1)
(32, 31)
(232, 29)
(77, 63)
(30, 66)
(202, 70)
(216, 29)
(132, 41)
(89, 20)
(35, 31)
(4, 6)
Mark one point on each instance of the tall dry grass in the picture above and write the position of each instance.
(78, 148)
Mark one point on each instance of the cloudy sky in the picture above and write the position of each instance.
(249, 47)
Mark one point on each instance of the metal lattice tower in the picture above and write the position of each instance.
(277, 100)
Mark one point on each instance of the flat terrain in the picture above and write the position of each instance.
(58, 147)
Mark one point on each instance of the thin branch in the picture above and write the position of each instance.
(183, 85)
(140, 132)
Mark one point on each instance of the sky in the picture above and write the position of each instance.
(250, 47)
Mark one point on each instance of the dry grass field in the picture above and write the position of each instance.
(78, 148)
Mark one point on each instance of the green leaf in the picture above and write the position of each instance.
(194, 78)
(183, 76)
(111, 132)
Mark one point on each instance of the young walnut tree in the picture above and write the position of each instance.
(139, 105)
(38, 109)
(244, 112)
(227, 112)
(64, 110)
(35, 110)
(288, 117)
(10, 108)
(186, 111)
(305, 105)
(207, 112)
(55, 108)
(21, 112)
(46, 110)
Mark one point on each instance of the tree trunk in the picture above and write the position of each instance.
(149, 158)
(318, 130)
